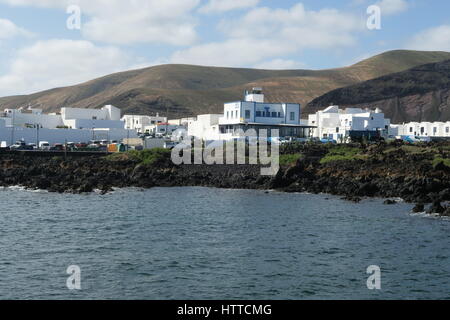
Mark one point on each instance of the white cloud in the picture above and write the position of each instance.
(9, 30)
(390, 7)
(434, 39)
(264, 33)
(55, 63)
(129, 22)
(214, 6)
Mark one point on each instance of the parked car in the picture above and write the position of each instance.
(328, 140)
(81, 145)
(20, 145)
(57, 147)
(44, 145)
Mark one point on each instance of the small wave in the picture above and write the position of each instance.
(428, 215)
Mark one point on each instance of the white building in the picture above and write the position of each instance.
(252, 113)
(424, 129)
(334, 123)
(140, 122)
(72, 118)
(162, 129)
(205, 127)
(71, 125)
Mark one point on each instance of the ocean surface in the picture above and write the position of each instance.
(201, 243)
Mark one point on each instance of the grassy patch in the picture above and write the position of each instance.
(290, 159)
(437, 160)
(145, 157)
(342, 153)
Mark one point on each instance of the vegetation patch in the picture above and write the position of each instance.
(290, 159)
(438, 160)
(150, 156)
(342, 153)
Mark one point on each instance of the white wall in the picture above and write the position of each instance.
(335, 123)
(425, 129)
(89, 124)
(206, 127)
(21, 119)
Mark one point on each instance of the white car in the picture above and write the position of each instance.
(44, 145)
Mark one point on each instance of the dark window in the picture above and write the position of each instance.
(292, 116)
(411, 129)
(247, 114)
(274, 114)
(279, 115)
(337, 130)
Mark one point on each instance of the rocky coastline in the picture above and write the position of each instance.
(418, 174)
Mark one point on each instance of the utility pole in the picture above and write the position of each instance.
(12, 129)
(128, 137)
(37, 134)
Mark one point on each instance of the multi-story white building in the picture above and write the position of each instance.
(140, 122)
(336, 124)
(71, 125)
(72, 118)
(252, 113)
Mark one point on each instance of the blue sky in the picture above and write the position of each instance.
(38, 51)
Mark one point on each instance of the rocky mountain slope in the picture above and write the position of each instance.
(419, 94)
(184, 90)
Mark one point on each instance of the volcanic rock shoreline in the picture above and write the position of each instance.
(418, 174)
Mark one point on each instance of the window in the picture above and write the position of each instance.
(258, 113)
(94, 118)
(247, 114)
(411, 129)
(279, 115)
(435, 130)
(228, 114)
(274, 114)
(292, 116)
(337, 130)
(447, 130)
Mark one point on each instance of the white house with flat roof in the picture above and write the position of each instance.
(423, 129)
(71, 125)
(72, 118)
(140, 122)
(251, 114)
(334, 123)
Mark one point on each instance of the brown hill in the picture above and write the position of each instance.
(418, 94)
(185, 90)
